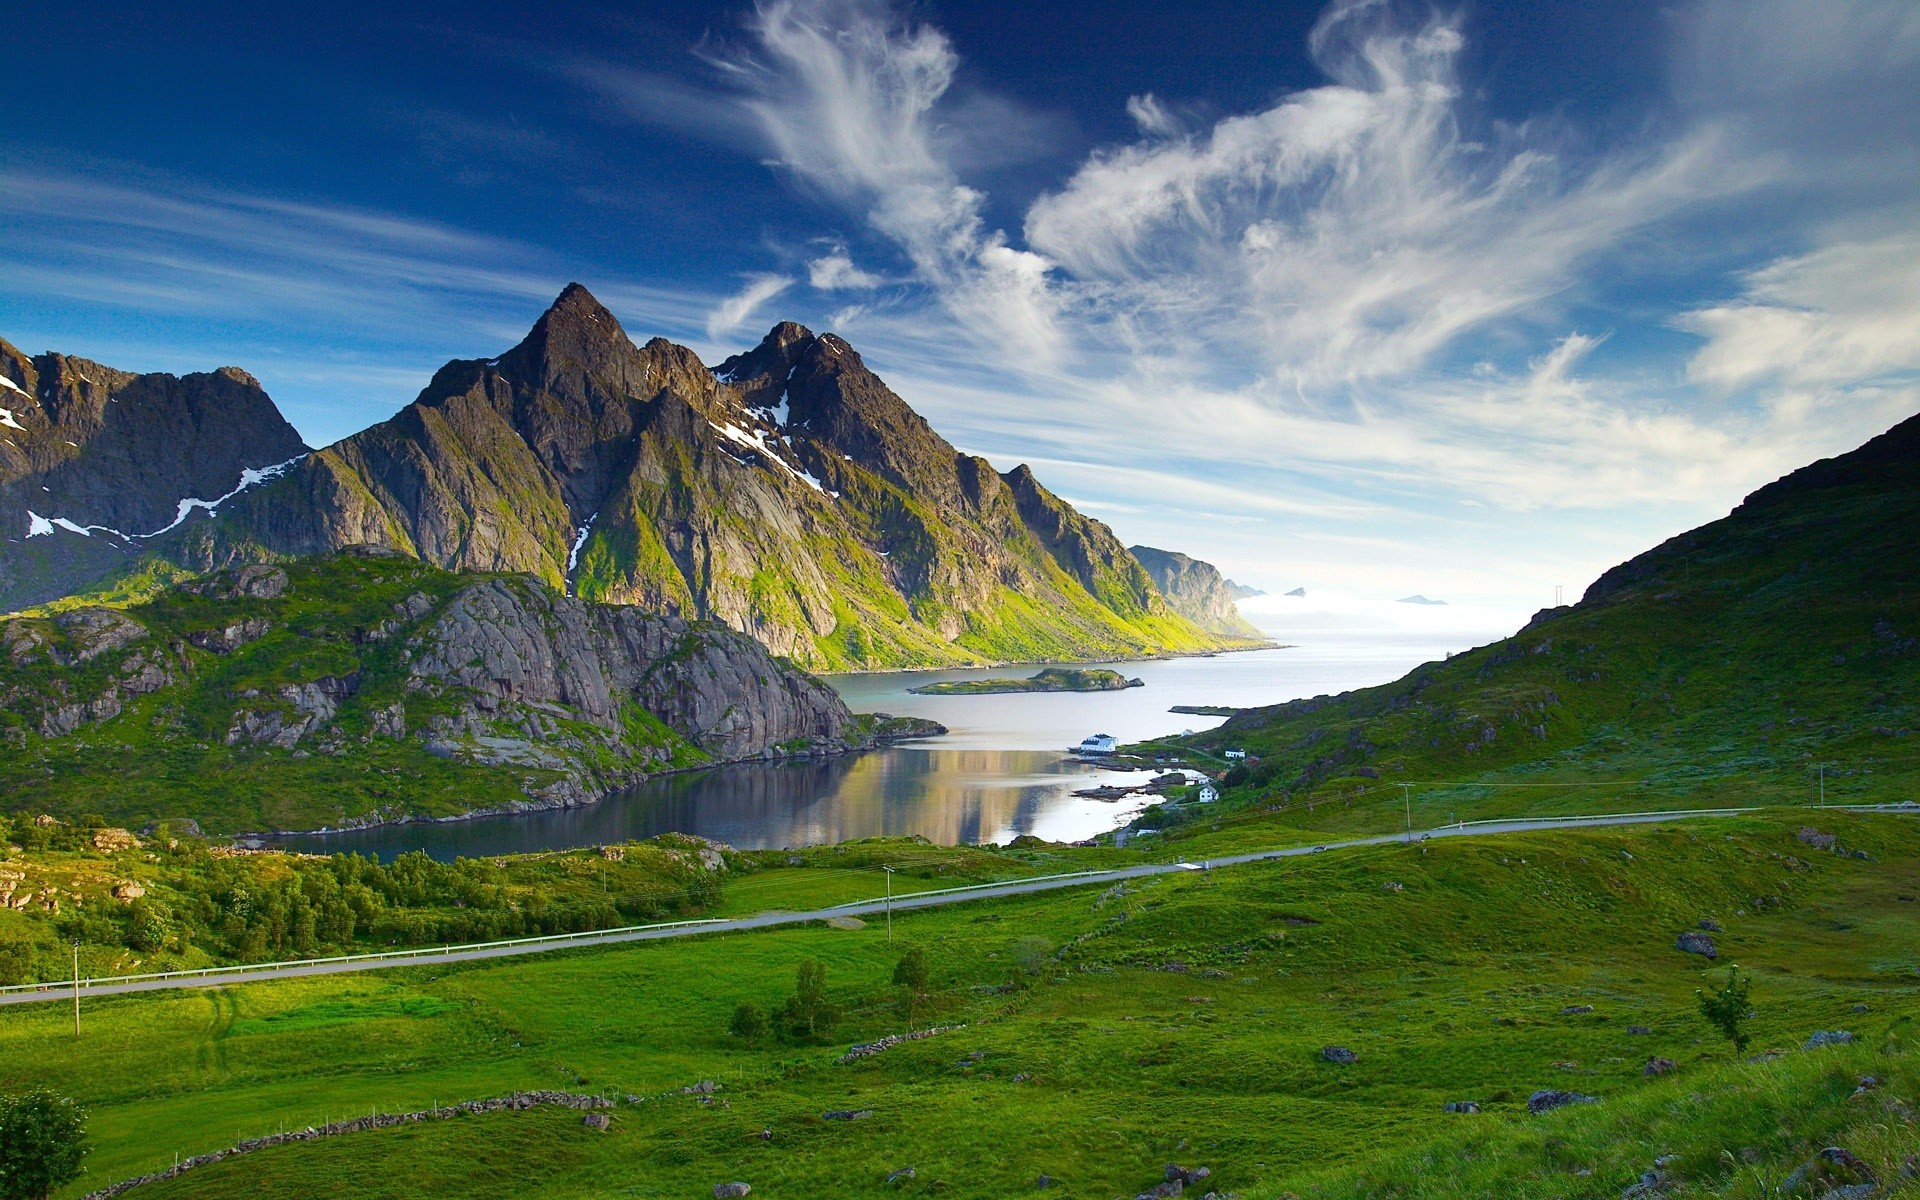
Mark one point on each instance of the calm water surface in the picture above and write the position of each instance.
(1000, 773)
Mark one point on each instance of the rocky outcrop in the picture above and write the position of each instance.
(1197, 591)
(574, 698)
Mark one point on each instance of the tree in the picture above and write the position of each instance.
(910, 975)
(749, 1024)
(43, 1137)
(807, 1013)
(1727, 1008)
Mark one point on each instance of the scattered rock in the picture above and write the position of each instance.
(896, 1178)
(1661, 1066)
(1575, 1010)
(1392, 887)
(597, 1121)
(1810, 836)
(846, 1114)
(1548, 1099)
(1832, 1169)
(1694, 942)
(1639, 1030)
(1043, 1180)
(846, 923)
(1860, 1008)
(1186, 1175)
(1339, 1054)
(1461, 1106)
(1828, 1037)
(1710, 925)
(731, 1191)
(706, 1087)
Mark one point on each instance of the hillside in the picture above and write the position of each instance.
(367, 686)
(1197, 591)
(1090, 1036)
(96, 463)
(1736, 662)
(791, 495)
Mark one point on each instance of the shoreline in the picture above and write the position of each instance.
(1068, 662)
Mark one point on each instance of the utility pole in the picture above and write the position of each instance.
(1823, 785)
(76, 989)
(889, 871)
(1406, 791)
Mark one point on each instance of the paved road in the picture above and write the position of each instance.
(860, 909)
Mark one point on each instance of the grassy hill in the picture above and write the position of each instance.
(1734, 665)
(1107, 1033)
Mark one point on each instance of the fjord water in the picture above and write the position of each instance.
(1001, 772)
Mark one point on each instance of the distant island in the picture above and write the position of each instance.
(1048, 679)
(1204, 710)
(1420, 600)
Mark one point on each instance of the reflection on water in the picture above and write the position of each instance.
(948, 796)
(1001, 773)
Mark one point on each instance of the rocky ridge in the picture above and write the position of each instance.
(789, 494)
(95, 463)
(1197, 591)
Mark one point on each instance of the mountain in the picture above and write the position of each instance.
(1417, 599)
(1197, 591)
(791, 495)
(1732, 660)
(368, 685)
(1240, 591)
(96, 463)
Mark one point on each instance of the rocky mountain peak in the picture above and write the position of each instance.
(577, 349)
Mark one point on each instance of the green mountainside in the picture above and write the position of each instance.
(791, 495)
(370, 686)
(1733, 664)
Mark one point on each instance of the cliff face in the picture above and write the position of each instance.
(94, 462)
(1198, 592)
(371, 663)
(790, 495)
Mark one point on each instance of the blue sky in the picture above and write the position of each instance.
(1368, 297)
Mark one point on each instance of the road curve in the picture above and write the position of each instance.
(64, 991)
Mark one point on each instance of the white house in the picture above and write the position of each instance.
(1233, 753)
(1099, 743)
(1208, 793)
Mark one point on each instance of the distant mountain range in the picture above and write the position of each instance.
(789, 493)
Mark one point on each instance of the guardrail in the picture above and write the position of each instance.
(590, 936)
(550, 939)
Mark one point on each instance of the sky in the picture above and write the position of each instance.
(1369, 298)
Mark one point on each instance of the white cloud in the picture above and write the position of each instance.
(1839, 317)
(834, 271)
(733, 312)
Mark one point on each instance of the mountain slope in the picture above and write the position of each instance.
(1727, 665)
(1198, 592)
(369, 685)
(791, 495)
(95, 462)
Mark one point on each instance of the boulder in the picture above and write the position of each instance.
(1548, 1099)
(1639, 1030)
(1576, 1010)
(1828, 1037)
(1461, 1106)
(1696, 942)
(1810, 836)
(731, 1191)
(597, 1121)
(1186, 1175)
(1710, 925)
(1660, 1066)
(846, 1114)
(1339, 1054)
(1834, 1168)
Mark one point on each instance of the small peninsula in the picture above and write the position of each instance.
(1049, 679)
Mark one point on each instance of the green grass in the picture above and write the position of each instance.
(1179, 1020)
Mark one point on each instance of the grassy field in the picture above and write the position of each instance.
(1108, 1033)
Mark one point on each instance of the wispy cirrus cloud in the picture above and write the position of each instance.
(734, 311)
